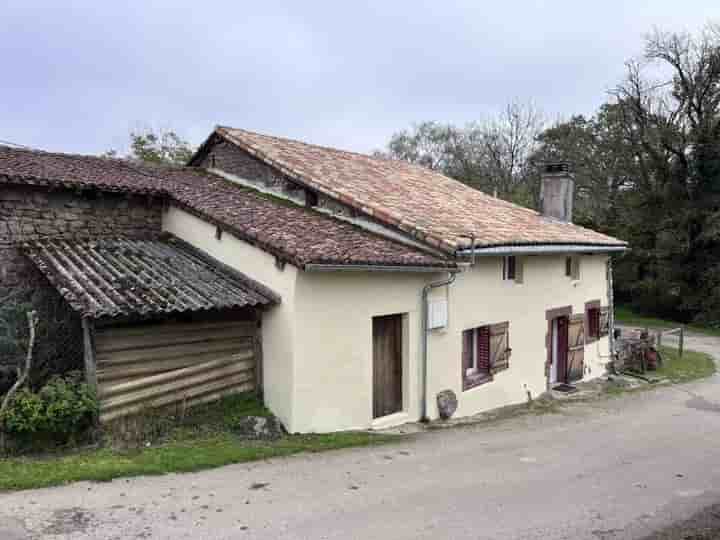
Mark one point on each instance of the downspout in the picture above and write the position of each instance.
(424, 382)
(611, 312)
(425, 292)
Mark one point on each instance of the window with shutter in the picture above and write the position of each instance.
(485, 351)
(499, 347)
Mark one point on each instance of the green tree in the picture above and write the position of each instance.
(163, 148)
(648, 170)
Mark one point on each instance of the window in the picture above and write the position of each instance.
(485, 352)
(597, 320)
(512, 269)
(572, 267)
(594, 323)
(509, 268)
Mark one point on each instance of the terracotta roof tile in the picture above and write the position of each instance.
(412, 197)
(296, 234)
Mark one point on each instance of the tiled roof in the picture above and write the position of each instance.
(18, 165)
(417, 200)
(119, 277)
(295, 234)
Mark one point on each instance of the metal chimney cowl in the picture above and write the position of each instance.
(557, 191)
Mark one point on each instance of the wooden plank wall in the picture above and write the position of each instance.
(172, 364)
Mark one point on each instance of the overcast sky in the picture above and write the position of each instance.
(77, 76)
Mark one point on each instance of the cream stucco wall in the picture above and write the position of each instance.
(334, 379)
(278, 326)
(318, 341)
(479, 297)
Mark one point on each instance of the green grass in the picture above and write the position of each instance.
(693, 365)
(171, 457)
(625, 315)
(203, 440)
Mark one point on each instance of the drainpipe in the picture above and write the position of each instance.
(424, 383)
(611, 311)
(425, 292)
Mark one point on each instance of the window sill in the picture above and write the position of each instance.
(474, 381)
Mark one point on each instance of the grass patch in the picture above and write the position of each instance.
(626, 316)
(204, 440)
(693, 365)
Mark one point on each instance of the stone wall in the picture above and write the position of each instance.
(33, 213)
(226, 157)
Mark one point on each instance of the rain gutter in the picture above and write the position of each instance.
(313, 267)
(540, 249)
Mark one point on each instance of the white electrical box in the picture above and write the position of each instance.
(437, 314)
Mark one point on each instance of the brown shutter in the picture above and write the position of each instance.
(596, 322)
(499, 347)
(519, 270)
(467, 350)
(483, 349)
(576, 347)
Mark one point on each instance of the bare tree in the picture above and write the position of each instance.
(23, 372)
(492, 154)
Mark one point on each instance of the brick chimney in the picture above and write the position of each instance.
(557, 191)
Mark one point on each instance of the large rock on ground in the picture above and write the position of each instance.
(259, 427)
(447, 404)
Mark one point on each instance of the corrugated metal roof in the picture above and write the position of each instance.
(120, 277)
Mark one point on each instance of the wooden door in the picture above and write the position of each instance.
(387, 365)
(576, 347)
(562, 349)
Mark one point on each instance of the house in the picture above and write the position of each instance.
(374, 285)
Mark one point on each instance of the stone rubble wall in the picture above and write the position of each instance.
(30, 213)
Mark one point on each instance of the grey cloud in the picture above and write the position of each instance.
(77, 76)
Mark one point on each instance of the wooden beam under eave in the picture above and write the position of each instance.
(89, 353)
(258, 355)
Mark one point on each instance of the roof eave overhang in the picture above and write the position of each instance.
(316, 267)
(541, 249)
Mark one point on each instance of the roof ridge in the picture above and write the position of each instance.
(395, 162)
(315, 145)
(143, 168)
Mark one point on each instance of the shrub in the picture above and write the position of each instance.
(61, 410)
